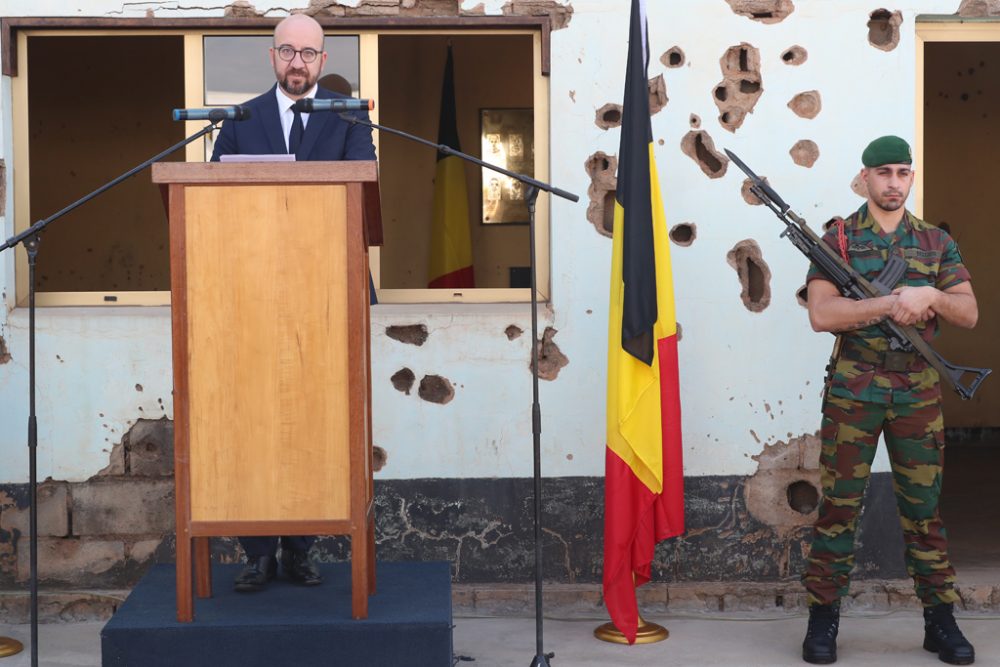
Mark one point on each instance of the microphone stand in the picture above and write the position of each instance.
(30, 239)
(541, 658)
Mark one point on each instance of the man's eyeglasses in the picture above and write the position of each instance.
(287, 53)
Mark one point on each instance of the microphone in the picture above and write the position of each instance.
(214, 115)
(310, 105)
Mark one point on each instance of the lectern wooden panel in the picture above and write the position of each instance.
(272, 402)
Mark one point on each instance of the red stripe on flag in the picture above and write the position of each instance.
(461, 278)
(636, 519)
(672, 497)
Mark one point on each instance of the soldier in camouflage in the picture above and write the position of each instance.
(873, 390)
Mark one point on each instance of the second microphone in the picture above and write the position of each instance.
(311, 105)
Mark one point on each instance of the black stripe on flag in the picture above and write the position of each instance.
(634, 195)
(448, 124)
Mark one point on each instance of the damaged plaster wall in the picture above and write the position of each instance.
(92, 359)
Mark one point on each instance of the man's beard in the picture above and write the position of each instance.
(292, 89)
(886, 204)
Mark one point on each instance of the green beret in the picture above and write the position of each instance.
(887, 150)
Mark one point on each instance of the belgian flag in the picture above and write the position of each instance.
(644, 492)
(451, 248)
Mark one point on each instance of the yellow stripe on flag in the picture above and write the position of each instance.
(451, 246)
(633, 410)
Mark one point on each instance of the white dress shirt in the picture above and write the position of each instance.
(285, 111)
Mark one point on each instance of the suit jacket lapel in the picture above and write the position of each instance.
(314, 130)
(272, 123)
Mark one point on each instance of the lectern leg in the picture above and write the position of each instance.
(359, 571)
(185, 603)
(203, 567)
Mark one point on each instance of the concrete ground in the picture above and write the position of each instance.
(744, 641)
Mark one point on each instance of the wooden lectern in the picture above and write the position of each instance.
(272, 391)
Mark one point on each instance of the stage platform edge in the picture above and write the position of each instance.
(409, 622)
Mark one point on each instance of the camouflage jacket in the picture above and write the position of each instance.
(932, 259)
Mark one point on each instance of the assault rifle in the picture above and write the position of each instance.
(853, 285)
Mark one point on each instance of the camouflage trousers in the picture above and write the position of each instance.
(914, 435)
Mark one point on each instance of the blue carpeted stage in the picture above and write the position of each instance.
(408, 624)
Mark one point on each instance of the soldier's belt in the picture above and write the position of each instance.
(890, 360)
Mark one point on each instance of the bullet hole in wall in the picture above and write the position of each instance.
(411, 334)
(513, 331)
(698, 145)
(778, 494)
(807, 104)
(403, 380)
(741, 85)
(804, 153)
(379, 458)
(765, 11)
(657, 94)
(753, 273)
(802, 296)
(684, 234)
(859, 187)
(802, 496)
(978, 8)
(695, 121)
(748, 196)
(550, 357)
(601, 168)
(673, 57)
(608, 116)
(4, 353)
(436, 389)
(795, 55)
(883, 29)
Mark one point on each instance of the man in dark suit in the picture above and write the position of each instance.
(274, 127)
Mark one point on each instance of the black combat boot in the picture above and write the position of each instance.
(942, 636)
(820, 645)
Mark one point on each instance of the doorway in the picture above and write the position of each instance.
(960, 109)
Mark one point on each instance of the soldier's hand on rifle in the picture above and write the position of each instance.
(913, 304)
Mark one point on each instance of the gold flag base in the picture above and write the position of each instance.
(10, 646)
(648, 633)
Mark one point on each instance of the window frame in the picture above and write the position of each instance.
(14, 34)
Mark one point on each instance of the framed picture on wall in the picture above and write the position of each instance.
(508, 141)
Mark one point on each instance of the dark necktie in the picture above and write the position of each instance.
(295, 134)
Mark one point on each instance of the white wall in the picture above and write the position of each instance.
(734, 363)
